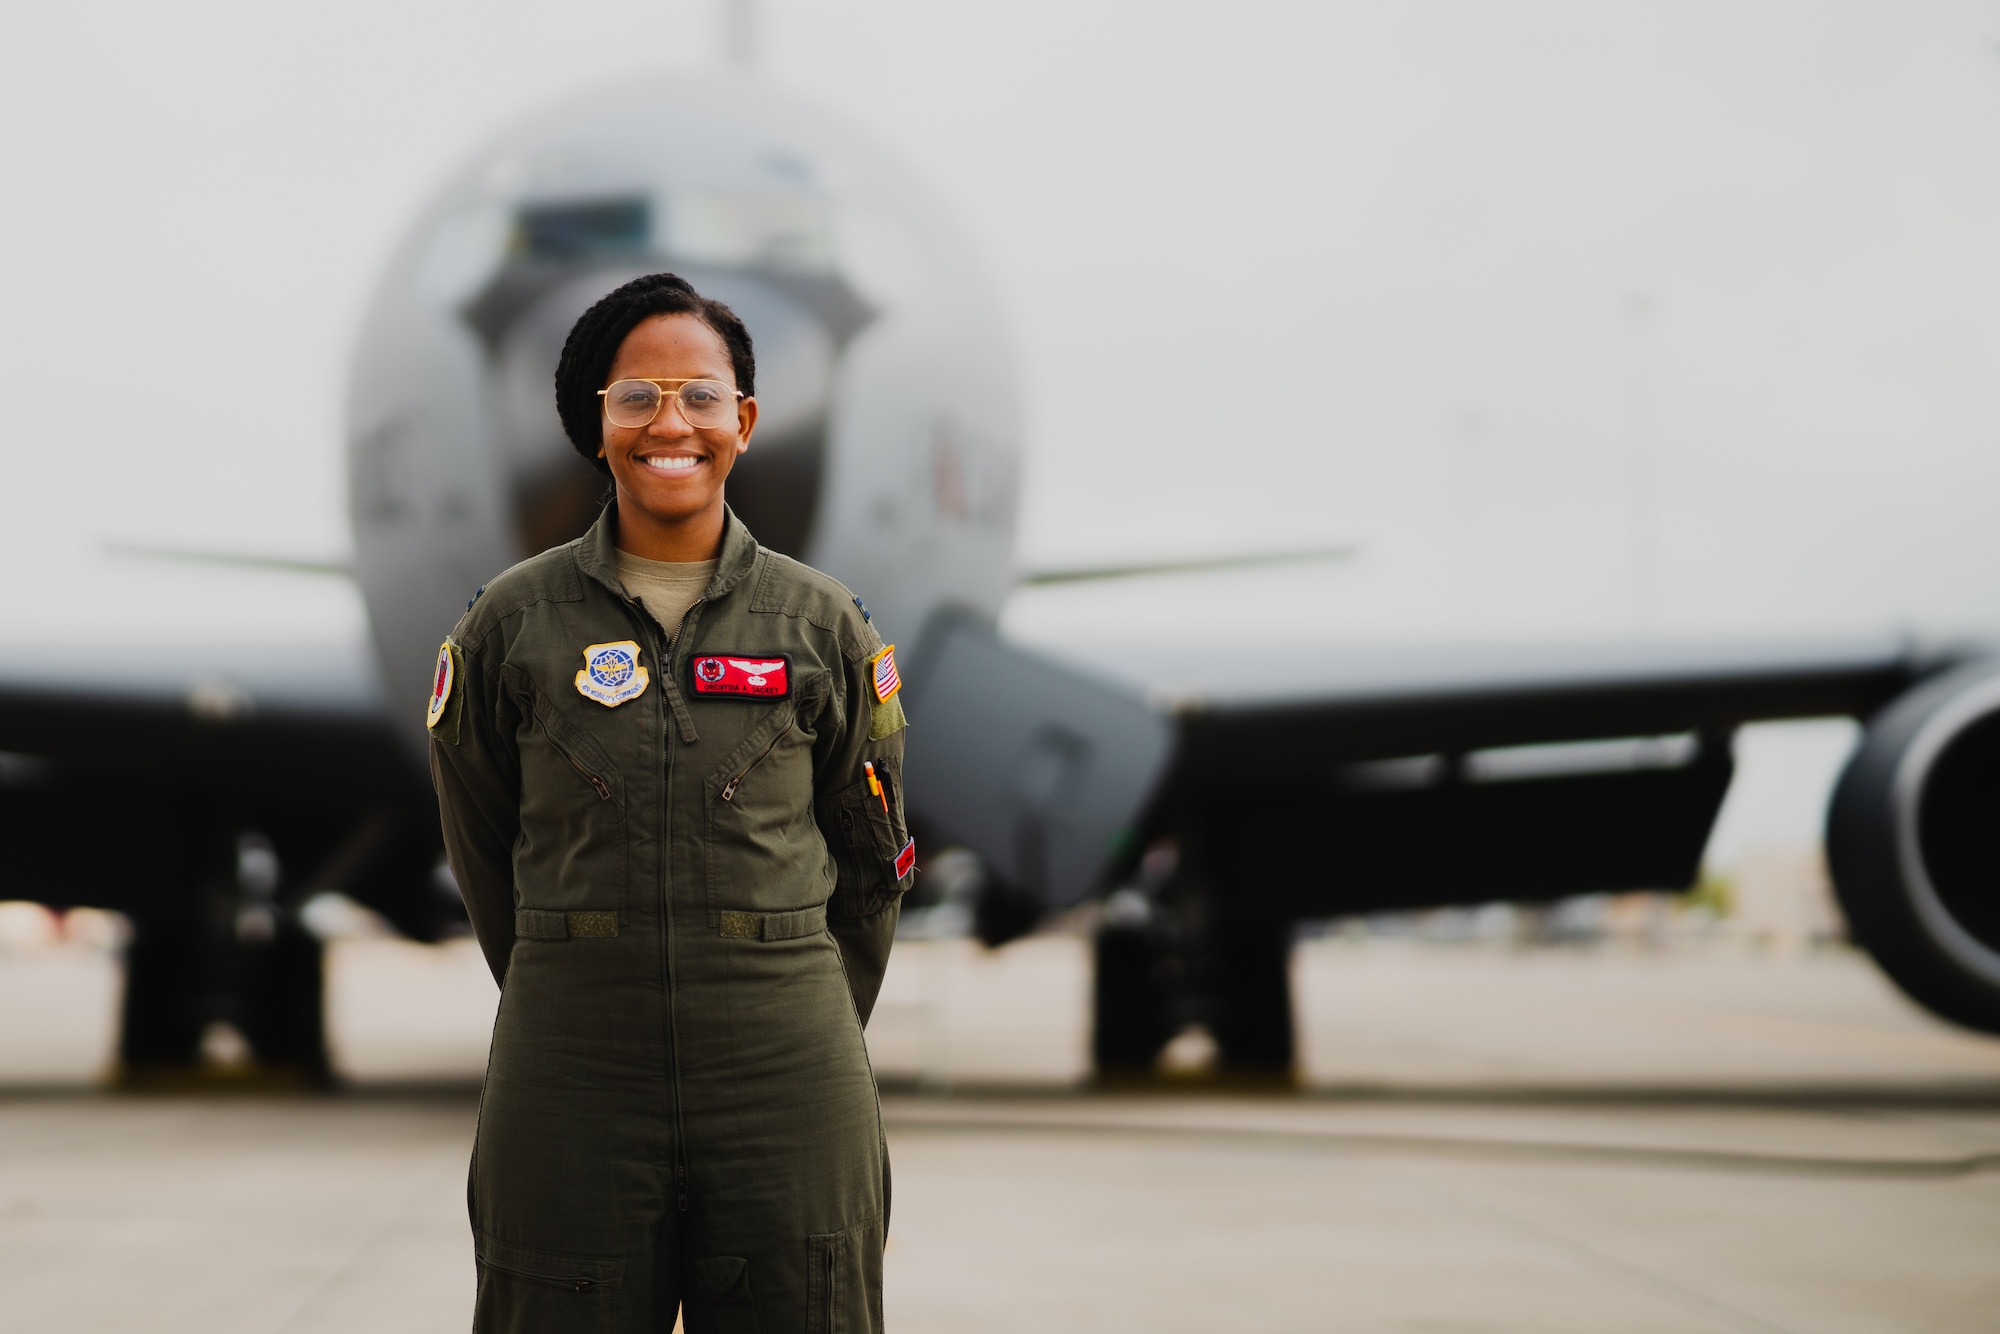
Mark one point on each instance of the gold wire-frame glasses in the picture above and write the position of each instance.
(703, 403)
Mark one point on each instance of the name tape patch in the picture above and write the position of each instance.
(611, 673)
(742, 676)
(887, 682)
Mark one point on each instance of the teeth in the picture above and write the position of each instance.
(671, 462)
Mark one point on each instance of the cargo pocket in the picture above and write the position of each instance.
(722, 1294)
(844, 1280)
(527, 1291)
(878, 855)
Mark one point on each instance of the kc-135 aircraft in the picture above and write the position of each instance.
(1217, 800)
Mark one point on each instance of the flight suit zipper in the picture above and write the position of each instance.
(666, 659)
(597, 785)
(729, 788)
(565, 1280)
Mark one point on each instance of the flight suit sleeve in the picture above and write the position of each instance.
(865, 828)
(477, 773)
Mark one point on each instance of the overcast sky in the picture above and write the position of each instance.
(1578, 318)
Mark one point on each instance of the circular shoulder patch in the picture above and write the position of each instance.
(440, 686)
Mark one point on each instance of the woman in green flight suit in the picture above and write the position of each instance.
(669, 764)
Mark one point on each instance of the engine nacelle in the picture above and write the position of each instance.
(1913, 840)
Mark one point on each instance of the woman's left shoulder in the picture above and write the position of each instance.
(786, 587)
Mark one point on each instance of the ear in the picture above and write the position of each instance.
(746, 423)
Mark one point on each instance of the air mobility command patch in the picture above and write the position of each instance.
(441, 714)
(611, 673)
(885, 714)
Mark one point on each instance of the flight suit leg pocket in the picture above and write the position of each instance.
(524, 1290)
(721, 1299)
(844, 1280)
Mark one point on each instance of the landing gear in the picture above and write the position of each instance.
(1137, 996)
(1173, 953)
(166, 1003)
(1251, 1013)
(280, 1008)
(211, 945)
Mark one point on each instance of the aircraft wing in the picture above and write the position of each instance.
(115, 747)
(275, 721)
(1377, 763)
(1298, 707)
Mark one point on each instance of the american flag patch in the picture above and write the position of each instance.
(887, 683)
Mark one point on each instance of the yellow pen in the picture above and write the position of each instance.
(875, 784)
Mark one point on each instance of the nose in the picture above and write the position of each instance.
(670, 422)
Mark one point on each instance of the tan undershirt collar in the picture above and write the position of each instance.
(665, 588)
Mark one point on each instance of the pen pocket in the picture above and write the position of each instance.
(879, 857)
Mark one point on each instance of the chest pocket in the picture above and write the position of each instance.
(764, 852)
(571, 853)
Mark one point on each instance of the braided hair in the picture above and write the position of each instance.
(594, 340)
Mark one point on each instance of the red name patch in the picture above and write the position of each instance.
(906, 859)
(742, 675)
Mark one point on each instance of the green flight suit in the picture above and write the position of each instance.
(688, 900)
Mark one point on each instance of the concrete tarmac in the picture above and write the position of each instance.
(1490, 1140)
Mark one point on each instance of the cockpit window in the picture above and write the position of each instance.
(583, 229)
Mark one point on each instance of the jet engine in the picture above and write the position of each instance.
(1913, 839)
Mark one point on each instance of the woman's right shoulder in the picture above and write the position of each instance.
(552, 576)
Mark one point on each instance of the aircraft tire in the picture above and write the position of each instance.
(1131, 1014)
(282, 1002)
(162, 1014)
(1253, 995)
(1910, 844)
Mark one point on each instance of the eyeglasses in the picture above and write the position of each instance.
(704, 403)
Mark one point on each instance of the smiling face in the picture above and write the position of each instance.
(669, 474)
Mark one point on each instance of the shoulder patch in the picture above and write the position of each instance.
(882, 674)
(441, 715)
(885, 710)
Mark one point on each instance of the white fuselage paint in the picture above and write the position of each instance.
(889, 408)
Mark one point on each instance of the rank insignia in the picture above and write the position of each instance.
(764, 676)
(611, 674)
(883, 670)
(441, 682)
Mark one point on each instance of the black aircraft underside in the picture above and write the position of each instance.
(143, 800)
(1366, 780)
(1410, 779)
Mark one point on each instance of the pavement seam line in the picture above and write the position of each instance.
(1609, 1155)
